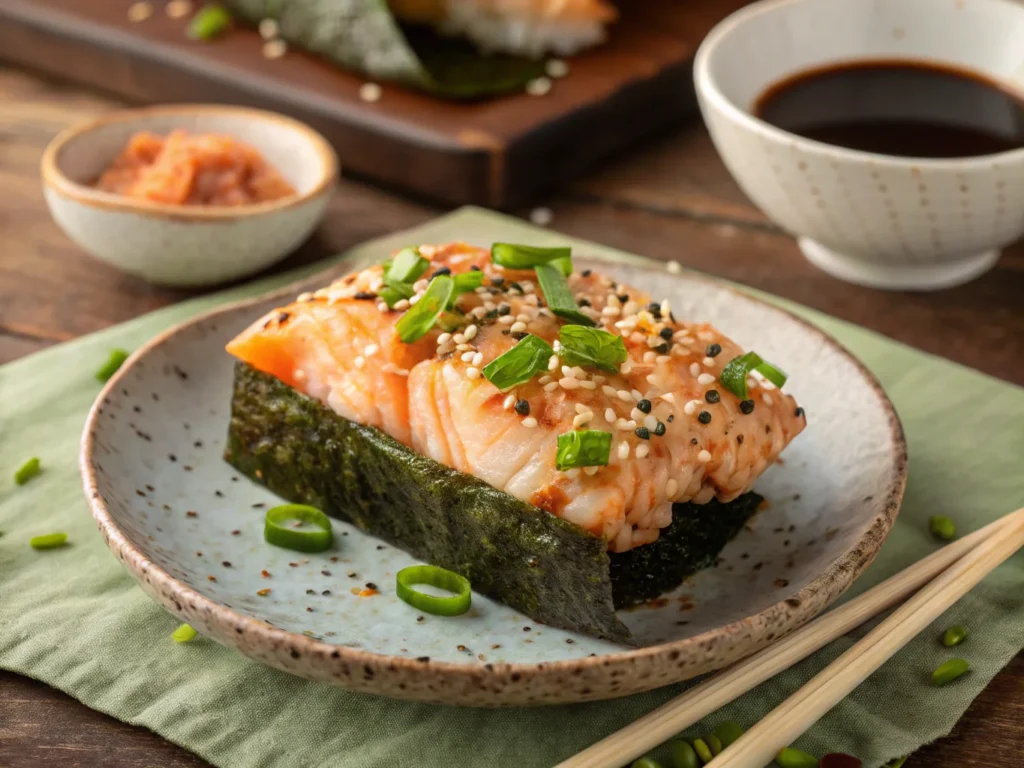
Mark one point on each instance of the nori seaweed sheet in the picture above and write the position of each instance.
(545, 567)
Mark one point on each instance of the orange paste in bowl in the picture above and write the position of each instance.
(188, 169)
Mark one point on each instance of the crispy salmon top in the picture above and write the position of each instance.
(677, 434)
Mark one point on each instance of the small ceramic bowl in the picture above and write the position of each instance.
(878, 220)
(188, 244)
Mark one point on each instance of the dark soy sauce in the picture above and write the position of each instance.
(893, 107)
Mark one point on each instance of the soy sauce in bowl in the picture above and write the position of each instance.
(897, 107)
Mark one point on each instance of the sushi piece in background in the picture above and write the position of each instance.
(532, 28)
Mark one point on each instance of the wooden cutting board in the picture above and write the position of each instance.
(500, 152)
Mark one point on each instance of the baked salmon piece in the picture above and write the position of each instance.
(660, 410)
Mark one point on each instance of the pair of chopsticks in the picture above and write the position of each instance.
(952, 572)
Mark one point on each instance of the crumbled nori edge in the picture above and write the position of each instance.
(543, 566)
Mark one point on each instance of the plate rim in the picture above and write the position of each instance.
(499, 683)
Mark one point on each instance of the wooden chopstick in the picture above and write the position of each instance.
(758, 746)
(686, 709)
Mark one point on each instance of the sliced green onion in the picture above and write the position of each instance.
(27, 471)
(279, 528)
(466, 282)
(406, 267)
(457, 604)
(451, 321)
(527, 358)
(421, 317)
(49, 541)
(558, 296)
(115, 361)
(734, 375)
(184, 633)
(530, 256)
(583, 448)
(591, 347)
(210, 22)
(392, 294)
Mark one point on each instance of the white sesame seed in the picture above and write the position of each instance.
(444, 337)
(767, 384)
(610, 391)
(674, 267)
(578, 372)
(642, 451)
(444, 349)
(609, 415)
(625, 425)
(370, 92)
(572, 473)
(598, 379)
(705, 335)
(649, 356)
(556, 68)
(539, 86)
(467, 357)
(463, 347)
(522, 317)
(478, 359)
(671, 488)
(472, 373)
(389, 368)
(542, 217)
(479, 312)
(653, 379)
(626, 367)
(140, 11)
(402, 371)
(489, 305)
(274, 49)
(485, 295)
(551, 386)
(709, 362)
(766, 398)
(636, 413)
(666, 308)
(553, 362)
(590, 471)
(371, 349)
(567, 371)
(532, 300)
(650, 421)
(569, 383)
(506, 319)
(704, 457)
(580, 408)
(623, 451)
(359, 362)
(581, 419)
(557, 346)
(690, 408)
(402, 304)
(529, 422)
(645, 317)
(668, 397)
(630, 307)
(587, 384)
(304, 296)
(626, 325)
(382, 306)
(546, 380)
(637, 338)
(470, 333)
(662, 359)
(412, 302)
(624, 396)
(509, 402)
(705, 379)
(611, 311)
(637, 395)
(459, 338)
(694, 369)
(268, 27)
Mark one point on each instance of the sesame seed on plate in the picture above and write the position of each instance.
(274, 49)
(581, 419)
(506, 319)
(623, 451)
(636, 413)
(610, 391)
(420, 285)
(463, 347)
(706, 378)
(674, 267)
(269, 28)
(609, 415)
(382, 306)
(542, 216)
(412, 302)
(690, 408)
(459, 338)
(626, 367)
(567, 371)
(599, 380)
(637, 395)
(569, 383)
(666, 307)
(522, 317)
(626, 425)
(470, 333)
(642, 451)
(530, 422)
(587, 384)
(467, 357)
(140, 11)
(671, 487)
(694, 369)
(478, 359)
(650, 421)
(402, 304)
(539, 86)
(551, 386)
(545, 380)
(624, 396)
(709, 362)
(610, 311)
(556, 68)
(370, 92)
(704, 457)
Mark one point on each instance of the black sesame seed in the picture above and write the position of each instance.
(663, 348)
(643, 433)
(226, 563)
(671, 418)
(747, 406)
(519, 335)
(474, 268)
(514, 286)
(704, 417)
(693, 441)
(739, 439)
(504, 309)
(491, 314)
(442, 271)
(644, 406)
(666, 333)
(623, 297)
(523, 407)
(584, 302)
(659, 429)
(326, 592)
(712, 396)
(713, 350)
(654, 308)
(365, 295)
(370, 585)
(498, 280)
(799, 412)
(585, 273)
(310, 591)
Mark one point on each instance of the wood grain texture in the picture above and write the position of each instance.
(673, 200)
(492, 152)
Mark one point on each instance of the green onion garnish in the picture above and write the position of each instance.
(115, 361)
(392, 294)
(406, 267)
(734, 375)
(210, 22)
(530, 256)
(458, 603)
(49, 541)
(279, 528)
(27, 471)
(466, 282)
(583, 448)
(530, 356)
(415, 323)
(184, 633)
(591, 346)
(559, 297)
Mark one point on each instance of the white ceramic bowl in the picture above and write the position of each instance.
(872, 219)
(179, 244)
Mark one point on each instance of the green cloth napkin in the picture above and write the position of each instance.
(74, 619)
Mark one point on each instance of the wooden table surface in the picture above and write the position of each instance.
(671, 200)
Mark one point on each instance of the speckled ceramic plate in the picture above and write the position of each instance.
(189, 528)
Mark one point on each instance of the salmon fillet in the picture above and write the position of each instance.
(677, 434)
